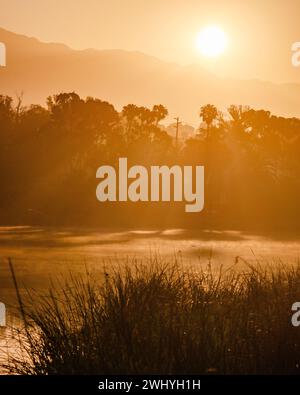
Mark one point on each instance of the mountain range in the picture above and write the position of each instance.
(38, 69)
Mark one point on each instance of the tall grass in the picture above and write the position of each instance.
(160, 318)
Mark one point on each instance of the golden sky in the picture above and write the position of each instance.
(260, 33)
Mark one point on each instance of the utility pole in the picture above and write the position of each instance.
(177, 130)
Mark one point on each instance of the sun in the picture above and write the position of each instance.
(211, 41)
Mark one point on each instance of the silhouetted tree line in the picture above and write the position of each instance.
(49, 157)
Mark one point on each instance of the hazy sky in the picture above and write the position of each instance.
(260, 32)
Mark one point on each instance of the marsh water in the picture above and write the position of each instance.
(41, 254)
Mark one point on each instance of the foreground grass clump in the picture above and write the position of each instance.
(161, 319)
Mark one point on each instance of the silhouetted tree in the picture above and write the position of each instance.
(160, 112)
(48, 159)
(208, 113)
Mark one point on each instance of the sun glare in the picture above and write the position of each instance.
(211, 41)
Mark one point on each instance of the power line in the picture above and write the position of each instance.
(177, 130)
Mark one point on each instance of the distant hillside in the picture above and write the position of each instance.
(39, 69)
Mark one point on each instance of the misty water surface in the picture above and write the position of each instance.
(41, 254)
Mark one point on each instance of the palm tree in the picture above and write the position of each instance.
(160, 112)
(208, 113)
(130, 112)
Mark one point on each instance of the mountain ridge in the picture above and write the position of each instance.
(41, 69)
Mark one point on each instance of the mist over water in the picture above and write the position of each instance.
(41, 255)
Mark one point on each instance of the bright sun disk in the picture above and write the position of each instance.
(212, 41)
